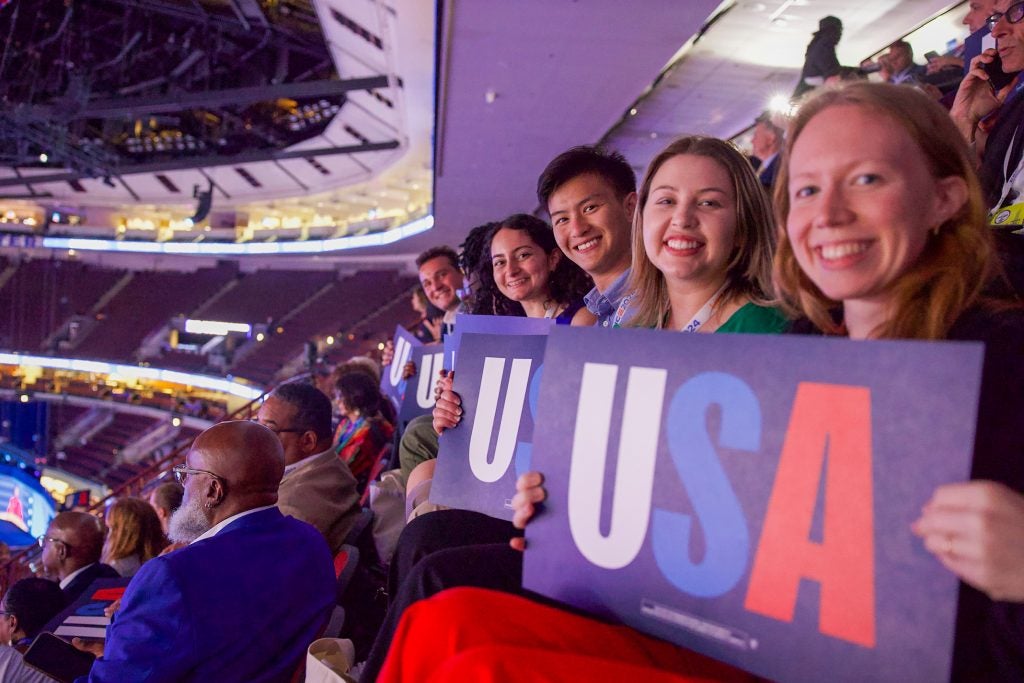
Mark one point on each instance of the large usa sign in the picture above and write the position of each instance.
(750, 497)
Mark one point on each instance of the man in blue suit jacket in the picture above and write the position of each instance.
(246, 597)
(767, 145)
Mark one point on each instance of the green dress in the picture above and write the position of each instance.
(754, 319)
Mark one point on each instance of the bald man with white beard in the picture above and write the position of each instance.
(245, 597)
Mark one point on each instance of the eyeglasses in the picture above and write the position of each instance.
(1013, 14)
(43, 539)
(183, 472)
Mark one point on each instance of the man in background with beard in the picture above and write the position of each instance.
(246, 596)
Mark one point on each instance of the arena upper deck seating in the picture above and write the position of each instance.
(265, 295)
(146, 303)
(335, 309)
(42, 294)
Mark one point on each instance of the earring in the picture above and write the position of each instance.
(935, 230)
(209, 506)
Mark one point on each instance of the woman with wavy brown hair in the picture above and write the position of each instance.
(134, 535)
(954, 262)
(522, 272)
(703, 238)
(884, 237)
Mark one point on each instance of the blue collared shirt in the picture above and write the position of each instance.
(605, 304)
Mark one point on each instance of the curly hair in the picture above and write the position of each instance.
(470, 252)
(566, 284)
(359, 392)
(133, 529)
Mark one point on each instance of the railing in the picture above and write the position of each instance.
(24, 563)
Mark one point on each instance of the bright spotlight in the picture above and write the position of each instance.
(780, 104)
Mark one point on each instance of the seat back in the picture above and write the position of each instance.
(379, 464)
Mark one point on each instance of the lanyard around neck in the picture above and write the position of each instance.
(704, 313)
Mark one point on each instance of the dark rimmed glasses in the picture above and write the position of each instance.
(183, 472)
(1013, 14)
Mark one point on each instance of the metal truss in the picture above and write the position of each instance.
(203, 162)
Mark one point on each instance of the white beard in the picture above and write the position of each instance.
(188, 522)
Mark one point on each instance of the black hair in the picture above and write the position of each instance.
(474, 246)
(611, 166)
(312, 408)
(359, 392)
(568, 282)
(34, 602)
(442, 250)
(472, 249)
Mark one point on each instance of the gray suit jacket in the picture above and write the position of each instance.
(323, 493)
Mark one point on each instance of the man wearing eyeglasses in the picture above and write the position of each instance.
(247, 595)
(318, 486)
(990, 111)
(72, 546)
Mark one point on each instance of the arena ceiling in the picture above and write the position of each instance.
(114, 103)
(332, 106)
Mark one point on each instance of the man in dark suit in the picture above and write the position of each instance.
(71, 551)
(250, 592)
(767, 143)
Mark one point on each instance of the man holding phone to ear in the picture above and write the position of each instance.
(989, 109)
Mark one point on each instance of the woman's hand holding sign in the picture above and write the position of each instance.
(529, 493)
(976, 529)
(447, 405)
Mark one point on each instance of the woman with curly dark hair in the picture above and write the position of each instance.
(363, 432)
(523, 272)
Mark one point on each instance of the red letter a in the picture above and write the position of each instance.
(836, 419)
